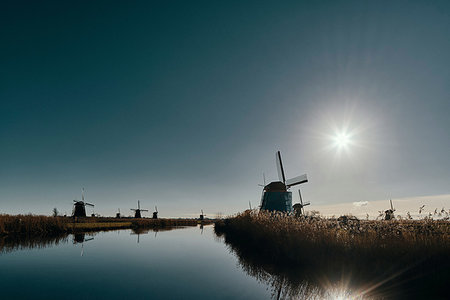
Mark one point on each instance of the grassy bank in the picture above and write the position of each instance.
(31, 225)
(382, 259)
(282, 233)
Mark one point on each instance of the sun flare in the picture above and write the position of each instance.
(342, 140)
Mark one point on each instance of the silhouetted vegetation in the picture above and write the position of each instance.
(295, 255)
(42, 226)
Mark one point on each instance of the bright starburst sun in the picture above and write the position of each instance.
(342, 140)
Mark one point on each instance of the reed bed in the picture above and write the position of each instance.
(41, 226)
(381, 259)
(281, 235)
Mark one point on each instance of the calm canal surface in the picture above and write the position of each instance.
(181, 263)
(186, 263)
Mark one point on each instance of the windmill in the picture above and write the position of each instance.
(137, 212)
(389, 214)
(118, 214)
(202, 216)
(155, 213)
(299, 207)
(79, 207)
(276, 196)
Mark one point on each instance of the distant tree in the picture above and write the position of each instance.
(55, 212)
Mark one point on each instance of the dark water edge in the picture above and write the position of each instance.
(16, 242)
(322, 275)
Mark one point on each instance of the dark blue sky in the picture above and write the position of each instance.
(183, 104)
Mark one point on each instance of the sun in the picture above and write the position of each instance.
(341, 140)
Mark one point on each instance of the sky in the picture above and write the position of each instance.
(183, 104)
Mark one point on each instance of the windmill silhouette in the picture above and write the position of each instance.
(79, 207)
(299, 207)
(276, 195)
(389, 214)
(137, 211)
(155, 213)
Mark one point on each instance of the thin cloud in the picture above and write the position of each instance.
(360, 203)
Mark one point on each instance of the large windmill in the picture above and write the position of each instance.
(155, 213)
(276, 195)
(299, 207)
(137, 211)
(202, 216)
(79, 207)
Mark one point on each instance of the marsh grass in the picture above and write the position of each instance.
(42, 226)
(281, 233)
(293, 251)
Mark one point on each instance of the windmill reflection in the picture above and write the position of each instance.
(138, 232)
(80, 238)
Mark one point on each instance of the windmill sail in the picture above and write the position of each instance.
(296, 180)
(280, 167)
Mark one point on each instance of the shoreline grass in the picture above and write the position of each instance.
(42, 226)
(279, 235)
(397, 256)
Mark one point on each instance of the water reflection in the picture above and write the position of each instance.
(14, 243)
(332, 276)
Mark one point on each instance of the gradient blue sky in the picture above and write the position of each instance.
(182, 104)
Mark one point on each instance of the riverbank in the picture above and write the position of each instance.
(281, 237)
(374, 256)
(20, 225)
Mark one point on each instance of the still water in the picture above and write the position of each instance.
(184, 263)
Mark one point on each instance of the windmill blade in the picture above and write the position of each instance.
(300, 195)
(133, 209)
(202, 211)
(87, 240)
(280, 167)
(250, 204)
(139, 204)
(264, 179)
(297, 180)
(156, 208)
(82, 249)
(392, 207)
(89, 204)
(82, 194)
(75, 201)
(307, 203)
(143, 209)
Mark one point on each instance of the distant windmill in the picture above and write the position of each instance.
(276, 196)
(155, 213)
(118, 214)
(389, 214)
(79, 207)
(202, 216)
(137, 212)
(299, 207)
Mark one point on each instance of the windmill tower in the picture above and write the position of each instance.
(79, 207)
(202, 216)
(137, 212)
(299, 207)
(276, 196)
(155, 213)
(389, 214)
